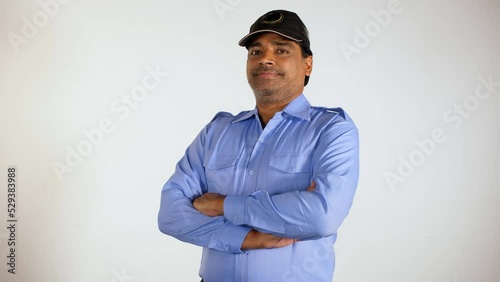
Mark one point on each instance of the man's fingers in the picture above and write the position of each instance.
(283, 242)
(312, 186)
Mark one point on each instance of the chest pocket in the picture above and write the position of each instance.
(290, 172)
(220, 170)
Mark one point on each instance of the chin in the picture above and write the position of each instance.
(263, 92)
(267, 89)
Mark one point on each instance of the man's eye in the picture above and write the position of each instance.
(282, 51)
(255, 52)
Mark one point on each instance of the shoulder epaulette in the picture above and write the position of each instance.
(221, 114)
(335, 111)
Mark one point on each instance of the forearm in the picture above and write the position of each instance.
(179, 219)
(303, 211)
(211, 204)
(300, 214)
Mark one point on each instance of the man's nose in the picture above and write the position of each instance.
(267, 58)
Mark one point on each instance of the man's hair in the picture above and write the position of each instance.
(306, 52)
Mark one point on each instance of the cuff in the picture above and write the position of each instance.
(231, 238)
(234, 209)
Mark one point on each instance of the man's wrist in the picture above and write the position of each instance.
(250, 241)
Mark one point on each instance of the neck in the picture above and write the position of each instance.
(268, 110)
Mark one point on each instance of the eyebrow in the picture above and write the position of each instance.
(276, 42)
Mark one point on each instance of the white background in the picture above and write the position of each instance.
(99, 223)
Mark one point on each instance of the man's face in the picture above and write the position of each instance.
(276, 68)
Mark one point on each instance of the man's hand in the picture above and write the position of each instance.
(211, 204)
(312, 186)
(259, 240)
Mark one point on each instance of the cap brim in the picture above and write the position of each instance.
(244, 41)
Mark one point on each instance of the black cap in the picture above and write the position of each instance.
(284, 23)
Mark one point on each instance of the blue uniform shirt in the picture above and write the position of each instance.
(265, 174)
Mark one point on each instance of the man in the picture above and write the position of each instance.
(264, 192)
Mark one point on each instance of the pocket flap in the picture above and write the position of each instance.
(292, 163)
(222, 161)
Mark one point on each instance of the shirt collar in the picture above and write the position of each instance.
(299, 108)
(246, 115)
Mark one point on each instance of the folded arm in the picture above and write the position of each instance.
(311, 213)
(177, 216)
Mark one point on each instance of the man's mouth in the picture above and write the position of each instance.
(266, 73)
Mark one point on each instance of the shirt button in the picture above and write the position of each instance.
(227, 249)
(261, 140)
(251, 172)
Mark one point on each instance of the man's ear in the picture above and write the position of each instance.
(308, 65)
